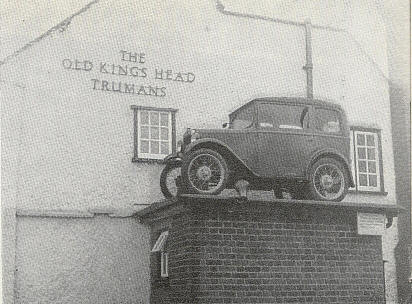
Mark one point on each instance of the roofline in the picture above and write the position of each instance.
(300, 100)
(221, 8)
(391, 210)
(61, 26)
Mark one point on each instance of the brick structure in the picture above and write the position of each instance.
(265, 251)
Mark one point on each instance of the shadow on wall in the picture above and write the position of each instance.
(400, 112)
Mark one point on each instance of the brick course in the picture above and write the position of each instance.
(242, 253)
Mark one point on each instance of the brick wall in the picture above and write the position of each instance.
(221, 252)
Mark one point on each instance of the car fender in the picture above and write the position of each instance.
(173, 158)
(335, 154)
(206, 142)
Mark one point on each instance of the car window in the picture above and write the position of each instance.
(243, 119)
(282, 116)
(326, 121)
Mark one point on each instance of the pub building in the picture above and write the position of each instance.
(83, 216)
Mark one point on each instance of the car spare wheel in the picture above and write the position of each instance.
(328, 180)
(168, 180)
(205, 171)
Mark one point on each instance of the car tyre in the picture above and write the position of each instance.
(168, 180)
(205, 171)
(328, 180)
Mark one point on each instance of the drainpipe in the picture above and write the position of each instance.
(309, 65)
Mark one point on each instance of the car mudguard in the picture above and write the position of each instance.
(206, 142)
(173, 158)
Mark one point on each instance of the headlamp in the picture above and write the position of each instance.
(194, 135)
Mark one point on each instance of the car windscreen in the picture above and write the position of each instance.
(243, 119)
(283, 116)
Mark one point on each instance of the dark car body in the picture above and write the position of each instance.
(278, 138)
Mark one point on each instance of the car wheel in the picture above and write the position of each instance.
(168, 177)
(205, 171)
(328, 180)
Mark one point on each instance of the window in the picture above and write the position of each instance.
(326, 121)
(281, 116)
(154, 133)
(366, 159)
(159, 246)
(160, 242)
(164, 265)
(243, 119)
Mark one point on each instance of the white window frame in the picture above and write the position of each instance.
(138, 154)
(159, 246)
(160, 242)
(164, 264)
(355, 159)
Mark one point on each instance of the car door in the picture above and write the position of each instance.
(285, 140)
(241, 138)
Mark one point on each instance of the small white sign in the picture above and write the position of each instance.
(371, 223)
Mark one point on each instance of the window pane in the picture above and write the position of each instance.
(363, 180)
(144, 132)
(361, 153)
(144, 117)
(154, 147)
(373, 182)
(372, 167)
(154, 118)
(371, 153)
(326, 121)
(164, 119)
(154, 133)
(362, 166)
(360, 139)
(164, 134)
(370, 140)
(164, 147)
(144, 146)
(282, 116)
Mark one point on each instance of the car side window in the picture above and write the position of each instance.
(327, 121)
(282, 116)
(243, 119)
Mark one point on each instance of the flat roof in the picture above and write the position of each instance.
(391, 210)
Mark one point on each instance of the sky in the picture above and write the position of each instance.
(23, 21)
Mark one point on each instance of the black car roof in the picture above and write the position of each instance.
(292, 100)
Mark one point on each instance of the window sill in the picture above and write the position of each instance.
(383, 193)
(147, 160)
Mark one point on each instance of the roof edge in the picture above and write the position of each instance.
(391, 210)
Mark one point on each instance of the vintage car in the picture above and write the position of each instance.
(297, 145)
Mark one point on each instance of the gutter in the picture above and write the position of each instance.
(221, 8)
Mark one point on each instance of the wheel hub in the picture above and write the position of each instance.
(326, 181)
(204, 173)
